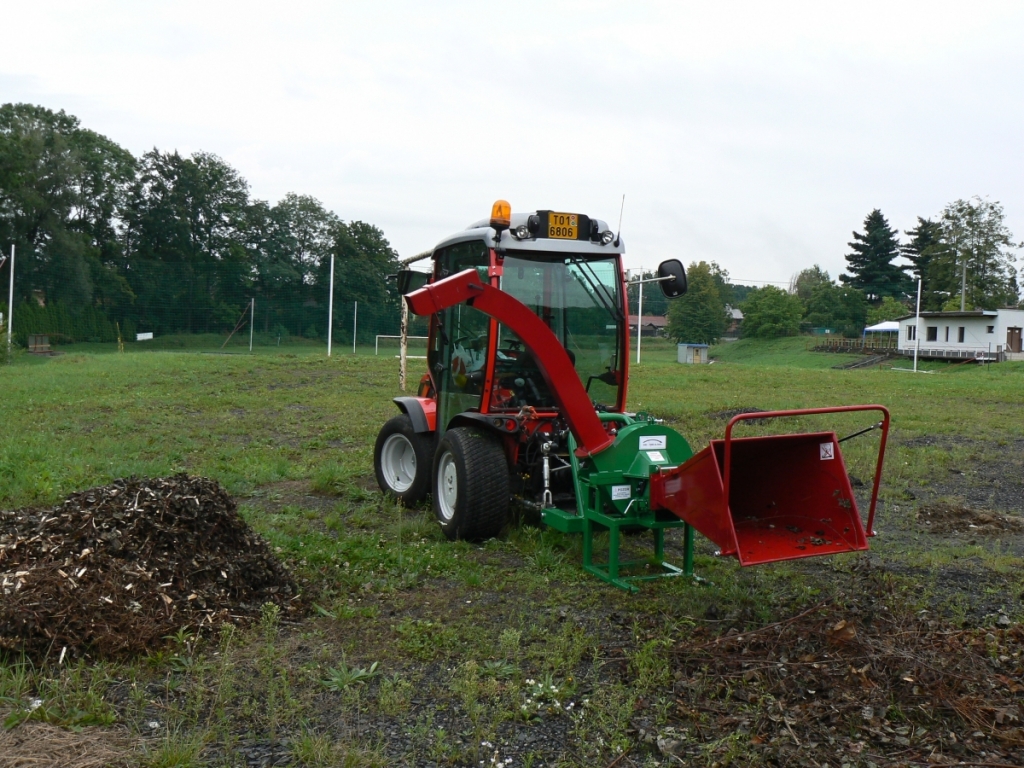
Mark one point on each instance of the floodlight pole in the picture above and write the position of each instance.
(639, 315)
(252, 319)
(917, 326)
(355, 317)
(10, 307)
(330, 309)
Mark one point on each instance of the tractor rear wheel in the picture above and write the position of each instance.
(401, 460)
(471, 485)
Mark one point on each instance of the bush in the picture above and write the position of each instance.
(769, 312)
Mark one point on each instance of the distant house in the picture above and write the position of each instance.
(732, 330)
(651, 325)
(989, 334)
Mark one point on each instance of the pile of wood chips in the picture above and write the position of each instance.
(115, 570)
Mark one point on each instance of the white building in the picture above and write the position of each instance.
(992, 334)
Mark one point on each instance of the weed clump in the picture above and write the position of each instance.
(115, 570)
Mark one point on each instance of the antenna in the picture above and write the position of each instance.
(621, 209)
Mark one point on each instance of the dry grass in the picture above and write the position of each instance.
(41, 745)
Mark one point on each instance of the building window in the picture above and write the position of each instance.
(911, 332)
(932, 333)
(990, 329)
(960, 334)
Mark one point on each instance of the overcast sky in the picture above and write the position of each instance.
(757, 135)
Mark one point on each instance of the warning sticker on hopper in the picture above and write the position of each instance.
(655, 455)
(827, 451)
(620, 492)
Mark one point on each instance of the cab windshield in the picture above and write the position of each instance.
(580, 300)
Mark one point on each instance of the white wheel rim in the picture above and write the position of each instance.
(398, 462)
(447, 485)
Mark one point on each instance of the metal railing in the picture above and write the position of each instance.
(864, 344)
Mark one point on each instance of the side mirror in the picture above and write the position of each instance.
(676, 285)
(410, 280)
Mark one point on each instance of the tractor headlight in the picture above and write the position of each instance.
(607, 236)
(521, 232)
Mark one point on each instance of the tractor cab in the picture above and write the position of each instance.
(569, 279)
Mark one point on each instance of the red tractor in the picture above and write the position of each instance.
(525, 399)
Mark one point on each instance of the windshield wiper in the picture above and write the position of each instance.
(600, 290)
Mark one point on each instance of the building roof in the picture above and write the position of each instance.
(889, 326)
(657, 321)
(971, 313)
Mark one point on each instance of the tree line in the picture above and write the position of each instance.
(168, 243)
(965, 258)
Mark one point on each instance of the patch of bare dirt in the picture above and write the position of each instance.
(115, 569)
(863, 680)
(728, 414)
(947, 518)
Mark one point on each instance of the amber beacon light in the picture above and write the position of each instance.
(501, 215)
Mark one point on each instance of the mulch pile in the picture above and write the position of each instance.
(866, 682)
(115, 570)
(955, 518)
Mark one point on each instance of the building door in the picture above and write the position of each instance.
(1013, 341)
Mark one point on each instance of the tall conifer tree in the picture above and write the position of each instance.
(871, 267)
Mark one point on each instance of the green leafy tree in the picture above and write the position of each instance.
(363, 261)
(870, 264)
(61, 190)
(806, 280)
(698, 317)
(837, 307)
(889, 309)
(655, 302)
(769, 312)
(978, 253)
(739, 293)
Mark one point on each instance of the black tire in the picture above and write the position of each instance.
(470, 485)
(402, 460)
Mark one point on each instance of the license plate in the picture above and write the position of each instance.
(563, 226)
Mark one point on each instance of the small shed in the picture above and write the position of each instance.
(692, 353)
(39, 344)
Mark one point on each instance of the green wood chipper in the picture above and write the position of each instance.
(524, 401)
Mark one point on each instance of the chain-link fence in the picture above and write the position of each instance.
(174, 322)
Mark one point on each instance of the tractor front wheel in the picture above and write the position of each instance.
(471, 485)
(401, 460)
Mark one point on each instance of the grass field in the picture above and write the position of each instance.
(479, 650)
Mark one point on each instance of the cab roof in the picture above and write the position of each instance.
(482, 230)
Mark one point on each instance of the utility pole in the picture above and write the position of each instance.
(330, 309)
(252, 320)
(355, 318)
(10, 307)
(963, 286)
(917, 325)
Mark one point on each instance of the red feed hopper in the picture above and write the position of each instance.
(779, 497)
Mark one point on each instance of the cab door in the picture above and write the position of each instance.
(457, 354)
